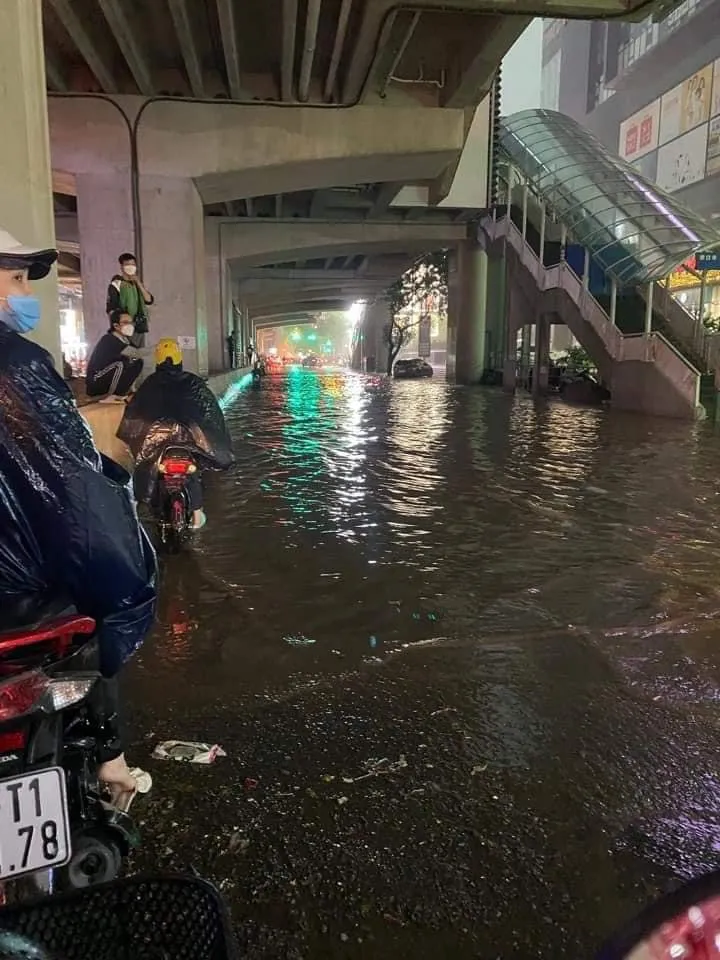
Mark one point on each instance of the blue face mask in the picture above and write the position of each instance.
(22, 313)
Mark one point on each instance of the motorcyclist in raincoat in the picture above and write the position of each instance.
(174, 407)
(68, 527)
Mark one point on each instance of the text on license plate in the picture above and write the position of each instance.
(34, 828)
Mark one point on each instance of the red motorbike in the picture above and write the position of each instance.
(56, 829)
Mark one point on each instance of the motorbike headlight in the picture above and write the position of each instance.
(64, 693)
(161, 467)
(192, 468)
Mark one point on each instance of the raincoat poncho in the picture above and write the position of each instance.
(174, 407)
(68, 528)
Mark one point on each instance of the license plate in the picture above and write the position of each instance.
(34, 826)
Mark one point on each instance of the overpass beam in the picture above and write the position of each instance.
(183, 28)
(26, 201)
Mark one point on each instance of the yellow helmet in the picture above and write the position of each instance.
(168, 349)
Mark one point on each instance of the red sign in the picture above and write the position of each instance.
(646, 131)
(688, 264)
(631, 140)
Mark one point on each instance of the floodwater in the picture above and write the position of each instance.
(463, 653)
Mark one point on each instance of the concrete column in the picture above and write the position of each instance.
(375, 320)
(613, 299)
(541, 369)
(563, 241)
(174, 265)
(105, 228)
(649, 308)
(472, 312)
(26, 202)
(524, 209)
(511, 177)
(218, 298)
(543, 217)
(525, 344)
(586, 269)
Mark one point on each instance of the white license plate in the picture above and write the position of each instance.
(34, 826)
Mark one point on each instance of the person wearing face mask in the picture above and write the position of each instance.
(128, 294)
(114, 364)
(69, 531)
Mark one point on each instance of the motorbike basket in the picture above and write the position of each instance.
(140, 918)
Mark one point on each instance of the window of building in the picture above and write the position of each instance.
(550, 83)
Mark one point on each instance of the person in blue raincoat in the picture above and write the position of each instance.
(68, 527)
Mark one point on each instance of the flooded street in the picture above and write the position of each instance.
(462, 652)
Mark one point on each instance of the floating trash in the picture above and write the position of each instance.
(188, 751)
(299, 640)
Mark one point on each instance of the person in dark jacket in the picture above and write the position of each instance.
(114, 363)
(127, 294)
(69, 532)
(175, 407)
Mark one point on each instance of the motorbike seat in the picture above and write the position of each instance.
(30, 614)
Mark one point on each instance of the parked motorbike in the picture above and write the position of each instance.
(56, 829)
(171, 500)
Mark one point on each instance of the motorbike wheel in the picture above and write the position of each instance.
(96, 859)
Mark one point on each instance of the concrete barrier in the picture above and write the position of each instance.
(104, 418)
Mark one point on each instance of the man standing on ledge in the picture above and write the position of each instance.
(127, 294)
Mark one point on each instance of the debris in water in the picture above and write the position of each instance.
(436, 713)
(299, 640)
(342, 801)
(478, 768)
(250, 783)
(373, 642)
(188, 751)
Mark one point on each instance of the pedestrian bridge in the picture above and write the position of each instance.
(585, 240)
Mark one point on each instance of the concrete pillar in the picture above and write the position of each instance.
(105, 227)
(218, 298)
(374, 323)
(174, 265)
(543, 217)
(541, 369)
(524, 208)
(511, 177)
(563, 241)
(613, 299)
(471, 307)
(586, 269)
(26, 202)
(525, 344)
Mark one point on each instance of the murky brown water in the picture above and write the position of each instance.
(512, 605)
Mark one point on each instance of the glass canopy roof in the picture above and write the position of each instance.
(634, 230)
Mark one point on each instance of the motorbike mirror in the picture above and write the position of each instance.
(682, 925)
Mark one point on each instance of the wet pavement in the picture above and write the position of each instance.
(463, 654)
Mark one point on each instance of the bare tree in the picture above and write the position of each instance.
(427, 278)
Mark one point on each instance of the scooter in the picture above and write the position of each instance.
(171, 501)
(56, 829)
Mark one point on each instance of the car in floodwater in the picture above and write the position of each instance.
(413, 369)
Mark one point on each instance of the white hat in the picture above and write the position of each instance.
(14, 254)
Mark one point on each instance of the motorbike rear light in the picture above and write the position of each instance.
(12, 740)
(176, 467)
(20, 694)
(64, 693)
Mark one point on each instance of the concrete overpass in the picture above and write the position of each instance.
(220, 138)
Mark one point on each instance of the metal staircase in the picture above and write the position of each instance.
(645, 372)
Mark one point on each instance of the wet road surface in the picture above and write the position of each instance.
(463, 654)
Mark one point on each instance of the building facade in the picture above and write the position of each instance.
(651, 93)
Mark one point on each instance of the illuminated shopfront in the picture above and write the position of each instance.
(686, 284)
